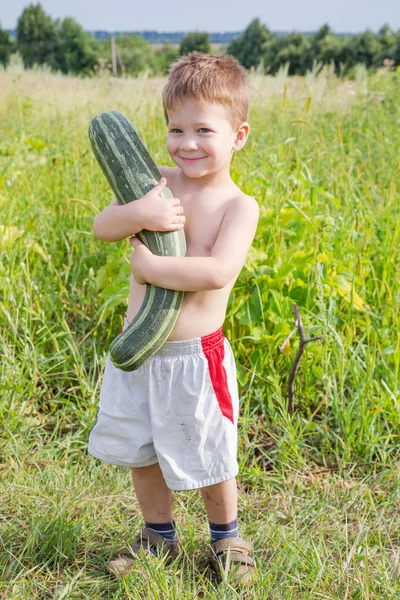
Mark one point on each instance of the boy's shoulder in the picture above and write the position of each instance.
(241, 202)
(243, 199)
(240, 219)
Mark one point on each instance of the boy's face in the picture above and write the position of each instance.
(201, 138)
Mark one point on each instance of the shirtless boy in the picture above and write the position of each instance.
(174, 420)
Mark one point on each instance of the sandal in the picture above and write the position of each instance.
(146, 540)
(241, 564)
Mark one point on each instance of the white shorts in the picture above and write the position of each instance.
(180, 409)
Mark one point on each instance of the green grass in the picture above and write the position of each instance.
(327, 535)
(319, 491)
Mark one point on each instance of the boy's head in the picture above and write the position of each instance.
(209, 78)
(206, 102)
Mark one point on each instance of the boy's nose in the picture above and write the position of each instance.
(188, 143)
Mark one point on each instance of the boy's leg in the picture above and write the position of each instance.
(154, 497)
(155, 500)
(220, 501)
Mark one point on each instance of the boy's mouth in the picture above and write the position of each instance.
(192, 159)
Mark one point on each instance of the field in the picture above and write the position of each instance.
(318, 490)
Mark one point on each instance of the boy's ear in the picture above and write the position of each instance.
(241, 136)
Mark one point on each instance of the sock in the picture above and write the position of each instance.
(167, 530)
(225, 530)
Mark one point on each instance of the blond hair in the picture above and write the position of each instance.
(209, 78)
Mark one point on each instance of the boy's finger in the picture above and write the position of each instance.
(161, 185)
(175, 226)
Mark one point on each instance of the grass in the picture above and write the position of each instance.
(319, 491)
(317, 535)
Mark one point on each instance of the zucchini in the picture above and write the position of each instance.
(131, 173)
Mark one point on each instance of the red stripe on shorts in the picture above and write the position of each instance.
(214, 350)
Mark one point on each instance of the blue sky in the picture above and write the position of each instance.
(211, 15)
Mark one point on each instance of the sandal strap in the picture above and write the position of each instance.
(145, 535)
(234, 543)
(236, 558)
(150, 535)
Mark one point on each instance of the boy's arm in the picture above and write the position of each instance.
(192, 274)
(153, 212)
(117, 222)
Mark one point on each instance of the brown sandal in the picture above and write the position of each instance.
(241, 564)
(123, 561)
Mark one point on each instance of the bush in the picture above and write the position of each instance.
(195, 42)
(163, 57)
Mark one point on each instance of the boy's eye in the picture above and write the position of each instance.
(175, 130)
(204, 130)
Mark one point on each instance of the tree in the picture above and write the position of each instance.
(295, 48)
(326, 46)
(269, 54)
(248, 48)
(322, 33)
(362, 48)
(396, 52)
(163, 57)
(387, 39)
(195, 41)
(36, 37)
(6, 47)
(75, 48)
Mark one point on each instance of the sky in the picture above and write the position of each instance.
(210, 15)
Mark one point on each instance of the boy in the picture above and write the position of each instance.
(174, 420)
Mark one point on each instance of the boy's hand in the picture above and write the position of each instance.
(139, 260)
(160, 214)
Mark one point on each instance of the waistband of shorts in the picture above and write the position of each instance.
(198, 345)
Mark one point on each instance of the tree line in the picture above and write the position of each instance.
(257, 46)
(65, 46)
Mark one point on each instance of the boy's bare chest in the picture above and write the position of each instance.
(201, 228)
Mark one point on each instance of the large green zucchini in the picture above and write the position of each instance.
(131, 173)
